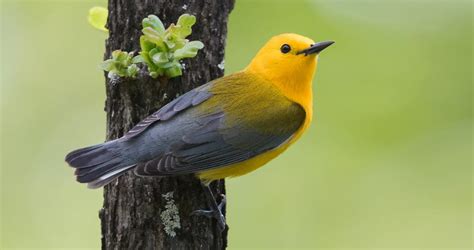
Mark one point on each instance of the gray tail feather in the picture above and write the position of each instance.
(99, 164)
(110, 176)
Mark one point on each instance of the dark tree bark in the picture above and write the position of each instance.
(138, 213)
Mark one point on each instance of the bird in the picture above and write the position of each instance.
(227, 127)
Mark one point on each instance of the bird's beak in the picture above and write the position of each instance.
(315, 48)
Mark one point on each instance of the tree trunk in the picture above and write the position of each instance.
(146, 212)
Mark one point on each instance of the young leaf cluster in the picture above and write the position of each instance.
(120, 65)
(161, 49)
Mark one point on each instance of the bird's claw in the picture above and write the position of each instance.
(202, 212)
(217, 214)
(222, 202)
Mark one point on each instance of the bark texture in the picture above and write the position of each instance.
(136, 210)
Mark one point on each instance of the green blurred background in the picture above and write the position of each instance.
(387, 162)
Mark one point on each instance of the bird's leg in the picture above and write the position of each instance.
(215, 210)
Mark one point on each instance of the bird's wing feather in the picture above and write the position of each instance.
(212, 146)
(189, 99)
(221, 138)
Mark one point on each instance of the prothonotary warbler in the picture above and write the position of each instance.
(225, 128)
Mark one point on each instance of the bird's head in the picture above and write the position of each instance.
(288, 59)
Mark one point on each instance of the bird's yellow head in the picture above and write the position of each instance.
(288, 60)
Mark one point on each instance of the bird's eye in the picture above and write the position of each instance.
(285, 48)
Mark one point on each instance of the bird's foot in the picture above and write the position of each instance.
(216, 213)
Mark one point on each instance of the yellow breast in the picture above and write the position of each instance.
(252, 164)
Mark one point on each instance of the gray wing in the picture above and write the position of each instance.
(189, 99)
(209, 143)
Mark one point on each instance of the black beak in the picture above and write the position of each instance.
(315, 48)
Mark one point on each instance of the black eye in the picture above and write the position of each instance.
(285, 48)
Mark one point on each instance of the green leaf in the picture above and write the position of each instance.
(168, 65)
(153, 36)
(186, 20)
(160, 58)
(115, 53)
(132, 70)
(174, 42)
(107, 65)
(145, 44)
(183, 26)
(178, 31)
(122, 56)
(154, 51)
(120, 65)
(189, 50)
(98, 18)
(147, 58)
(173, 71)
(169, 40)
(153, 22)
(149, 31)
(138, 59)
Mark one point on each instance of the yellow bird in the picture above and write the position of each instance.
(225, 128)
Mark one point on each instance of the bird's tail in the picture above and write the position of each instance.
(99, 164)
